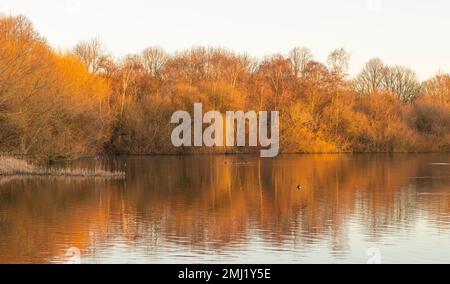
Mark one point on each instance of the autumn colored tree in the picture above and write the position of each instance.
(85, 102)
(50, 104)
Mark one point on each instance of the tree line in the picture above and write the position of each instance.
(84, 101)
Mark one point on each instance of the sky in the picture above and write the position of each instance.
(412, 33)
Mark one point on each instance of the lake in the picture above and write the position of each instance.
(234, 209)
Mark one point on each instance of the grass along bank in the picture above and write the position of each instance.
(10, 166)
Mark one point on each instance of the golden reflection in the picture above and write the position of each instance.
(211, 203)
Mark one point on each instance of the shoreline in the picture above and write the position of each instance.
(75, 158)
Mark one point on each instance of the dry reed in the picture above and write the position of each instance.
(10, 166)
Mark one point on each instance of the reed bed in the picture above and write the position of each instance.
(10, 166)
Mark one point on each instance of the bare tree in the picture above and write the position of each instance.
(338, 63)
(130, 71)
(378, 77)
(93, 54)
(154, 59)
(371, 78)
(403, 82)
(300, 57)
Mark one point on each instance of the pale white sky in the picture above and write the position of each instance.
(406, 32)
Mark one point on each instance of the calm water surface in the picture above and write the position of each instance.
(215, 209)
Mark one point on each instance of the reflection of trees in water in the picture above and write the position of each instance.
(207, 202)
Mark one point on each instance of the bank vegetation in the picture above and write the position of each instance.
(85, 102)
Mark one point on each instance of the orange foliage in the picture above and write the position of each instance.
(50, 105)
(86, 102)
